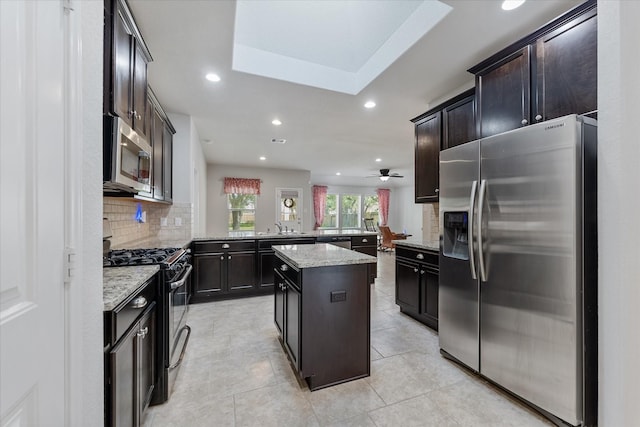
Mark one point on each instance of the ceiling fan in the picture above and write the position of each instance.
(385, 175)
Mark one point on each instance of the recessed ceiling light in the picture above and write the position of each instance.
(338, 173)
(369, 104)
(378, 160)
(263, 158)
(511, 4)
(276, 122)
(212, 77)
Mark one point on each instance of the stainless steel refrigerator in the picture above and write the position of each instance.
(518, 263)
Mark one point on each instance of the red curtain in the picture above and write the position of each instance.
(319, 204)
(241, 186)
(383, 203)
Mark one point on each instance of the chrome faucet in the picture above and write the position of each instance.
(279, 225)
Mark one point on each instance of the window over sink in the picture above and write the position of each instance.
(242, 212)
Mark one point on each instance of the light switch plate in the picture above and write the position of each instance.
(163, 222)
(178, 221)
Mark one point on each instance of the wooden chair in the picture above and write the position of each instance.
(369, 225)
(388, 236)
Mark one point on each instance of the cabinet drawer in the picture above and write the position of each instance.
(364, 240)
(224, 245)
(286, 271)
(426, 257)
(118, 321)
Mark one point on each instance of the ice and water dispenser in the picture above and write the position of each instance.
(455, 237)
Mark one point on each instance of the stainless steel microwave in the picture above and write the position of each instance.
(127, 158)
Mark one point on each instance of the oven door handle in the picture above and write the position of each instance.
(177, 284)
(184, 347)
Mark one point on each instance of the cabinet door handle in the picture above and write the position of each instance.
(225, 246)
(229, 257)
(524, 121)
(437, 190)
(143, 332)
(420, 256)
(284, 287)
(538, 117)
(139, 302)
(222, 258)
(415, 270)
(284, 267)
(421, 271)
(364, 241)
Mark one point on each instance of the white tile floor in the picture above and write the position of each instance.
(237, 374)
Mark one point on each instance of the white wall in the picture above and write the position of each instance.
(619, 203)
(404, 213)
(189, 170)
(90, 397)
(218, 214)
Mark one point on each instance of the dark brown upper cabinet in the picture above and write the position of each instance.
(427, 157)
(567, 69)
(447, 125)
(125, 60)
(550, 73)
(459, 121)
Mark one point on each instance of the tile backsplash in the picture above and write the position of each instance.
(431, 222)
(162, 221)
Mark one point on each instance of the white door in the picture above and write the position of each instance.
(289, 208)
(32, 164)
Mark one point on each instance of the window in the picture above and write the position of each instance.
(242, 212)
(331, 212)
(371, 208)
(350, 211)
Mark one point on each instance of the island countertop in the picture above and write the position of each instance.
(120, 282)
(321, 255)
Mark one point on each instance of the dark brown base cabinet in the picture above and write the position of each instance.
(130, 358)
(417, 284)
(238, 268)
(367, 245)
(223, 269)
(326, 337)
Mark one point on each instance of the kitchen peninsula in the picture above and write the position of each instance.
(322, 311)
(241, 263)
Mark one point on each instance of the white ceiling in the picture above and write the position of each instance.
(326, 131)
(336, 45)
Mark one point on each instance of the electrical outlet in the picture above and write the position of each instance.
(337, 296)
(163, 222)
(178, 221)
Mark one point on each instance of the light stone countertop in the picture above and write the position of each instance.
(120, 282)
(155, 242)
(257, 235)
(321, 255)
(419, 244)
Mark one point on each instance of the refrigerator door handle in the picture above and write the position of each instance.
(483, 191)
(472, 204)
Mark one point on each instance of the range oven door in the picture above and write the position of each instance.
(179, 331)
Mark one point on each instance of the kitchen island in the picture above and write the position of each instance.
(322, 311)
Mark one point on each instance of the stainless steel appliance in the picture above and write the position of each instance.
(173, 305)
(342, 241)
(126, 157)
(518, 264)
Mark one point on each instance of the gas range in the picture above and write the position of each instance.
(165, 257)
(172, 307)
